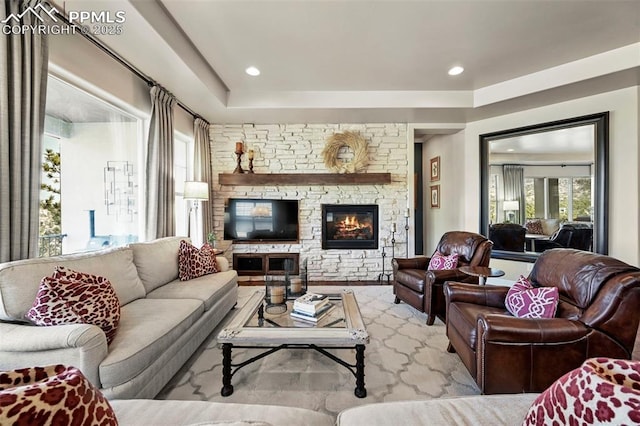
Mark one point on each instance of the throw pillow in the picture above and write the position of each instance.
(526, 301)
(534, 226)
(439, 261)
(601, 391)
(194, 262)
(53, 395)
(70, 297)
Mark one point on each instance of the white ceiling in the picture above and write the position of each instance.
(372, 61)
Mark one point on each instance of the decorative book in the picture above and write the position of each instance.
(310, 303)
(324, 310)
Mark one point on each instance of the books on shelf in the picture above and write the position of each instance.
(304, 316)
(310, 303)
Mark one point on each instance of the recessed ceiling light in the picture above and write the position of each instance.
(457, 70)
(252, 71)
(510, 150)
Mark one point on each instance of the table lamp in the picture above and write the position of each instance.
(196, 192)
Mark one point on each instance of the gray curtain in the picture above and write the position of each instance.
(513, 175)
(202, 170)
(23, 86)
(160, 187)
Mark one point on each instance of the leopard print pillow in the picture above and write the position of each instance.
(600, 391)
(194, 262)
(52, 395)
(70, 297)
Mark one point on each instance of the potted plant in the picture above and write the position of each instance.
(211, 239)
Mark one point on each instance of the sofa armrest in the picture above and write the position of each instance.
(413, 263)
(503, 328)
(516, 355)
(81, 345)
(445, 275)
(223, 263)
(486, 295)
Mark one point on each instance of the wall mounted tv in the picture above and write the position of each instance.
(257, 220)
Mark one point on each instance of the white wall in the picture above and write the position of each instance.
(297, 148)
(84, 156)
(74, 59)
(448, 217)
(624, 156)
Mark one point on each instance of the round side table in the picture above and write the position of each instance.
(482, 272)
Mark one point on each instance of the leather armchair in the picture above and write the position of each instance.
(423, 289)
(508, 236)
(571, 235)
(597, 316)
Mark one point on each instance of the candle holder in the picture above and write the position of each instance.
(406, 232)
(382, 274)
(296, 285)
(239, 166)
(250, 157)
(275, 296)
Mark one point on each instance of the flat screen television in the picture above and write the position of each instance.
(258, 220)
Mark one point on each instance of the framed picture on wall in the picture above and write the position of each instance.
(435, 168)
(435, 196)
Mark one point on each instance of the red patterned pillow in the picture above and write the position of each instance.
(70, 297)
(439, 261)
(601, 391)
(53, 395)
(526, 301)
(194, 262)
(534, 226)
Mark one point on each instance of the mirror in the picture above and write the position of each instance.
(545, 186)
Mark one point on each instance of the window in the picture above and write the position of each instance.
(92, 173)
(566, 198)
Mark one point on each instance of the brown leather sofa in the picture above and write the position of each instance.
(597, 316)
(423, 289)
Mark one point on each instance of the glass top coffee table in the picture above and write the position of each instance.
(341, 328)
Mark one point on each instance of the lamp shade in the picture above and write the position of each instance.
(196, 190)
(510, 206)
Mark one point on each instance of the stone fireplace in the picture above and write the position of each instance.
(297, 148)
(349, 226)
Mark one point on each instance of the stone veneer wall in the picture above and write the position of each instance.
(297, 148)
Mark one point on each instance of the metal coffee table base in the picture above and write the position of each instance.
(229, 369)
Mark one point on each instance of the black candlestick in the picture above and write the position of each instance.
(406, 231)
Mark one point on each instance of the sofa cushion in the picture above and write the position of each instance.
(157, 261)
(440, 261)
(55, 395)
(168, 412)
(525, 301)
(70, 297)
(550, 226)
(148, 327)
(600, 391)
(20, 280)
(491, 410)
(194, 262)
(207, 288)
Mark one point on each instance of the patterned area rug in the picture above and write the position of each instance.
(405, 360)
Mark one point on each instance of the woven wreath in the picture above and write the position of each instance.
(352, 140)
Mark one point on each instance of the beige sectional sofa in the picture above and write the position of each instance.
(163, 320)
(492, 410)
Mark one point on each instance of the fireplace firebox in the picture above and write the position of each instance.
(349, 226)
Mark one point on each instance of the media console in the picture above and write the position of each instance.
(265, 263)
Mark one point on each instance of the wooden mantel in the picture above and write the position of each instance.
(255, 179)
